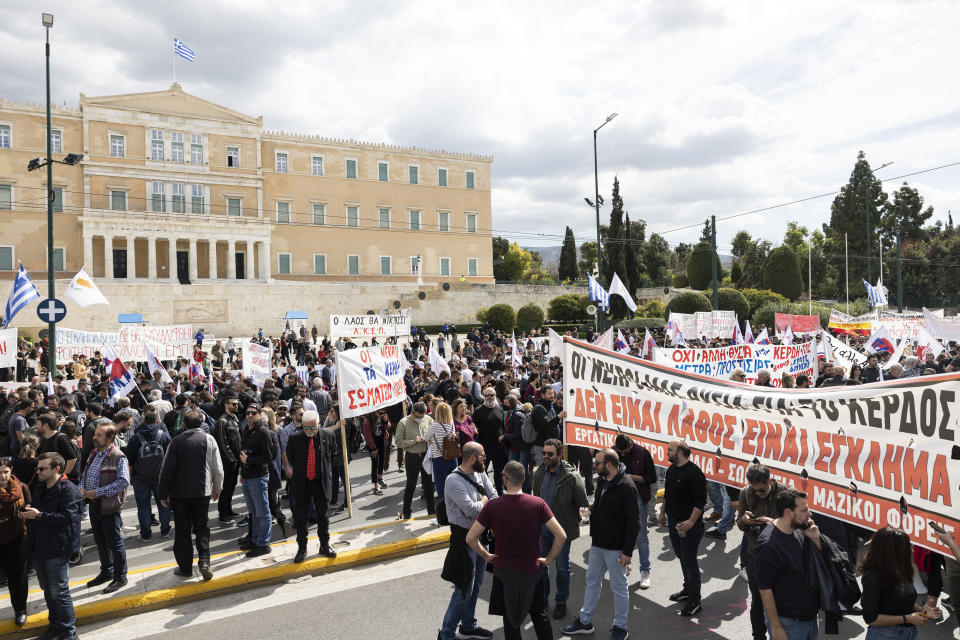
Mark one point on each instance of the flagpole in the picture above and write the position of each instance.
(846, 260)
(810, 277)
(174, 66)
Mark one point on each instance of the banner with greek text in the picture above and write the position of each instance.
(870, 456)
(167, 343)
(844, 355)
(899, 326)
(797, 324)
(943, 328)
(8, 347)
(363, 327)
(370, 379)
(720, 362)
(256, 362)
(712, 324)
(843, 323)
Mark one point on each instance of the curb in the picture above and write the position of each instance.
(135, 603)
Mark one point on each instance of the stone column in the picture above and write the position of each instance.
(212, 244)
(192, 259)
(231, 259)
(152, 257)
(265, 261)
(248, 261)
(131, 258)
(172, 259)
(108, 256)
(88, 252)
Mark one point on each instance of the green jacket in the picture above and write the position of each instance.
(408, 430)
(570, 497)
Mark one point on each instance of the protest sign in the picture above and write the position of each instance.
(720, 362)
(870, 456)
(370, 378)
(942, 328)
(899, 326)
(712, 324)
(843, 323)
(797, 324)
(364, 327)
(166, 342)
(844, 355)
(8, 347)
(256, 362)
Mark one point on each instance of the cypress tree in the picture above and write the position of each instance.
(567, 269)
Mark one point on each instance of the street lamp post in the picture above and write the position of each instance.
(866, 205)
(47, 19)
(596, 203)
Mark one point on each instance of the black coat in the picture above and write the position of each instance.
(56, 533)
(615, 515)
(323, 443)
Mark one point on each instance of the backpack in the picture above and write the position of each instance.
(441, 511)
(528, 431)
(178, 424)
(149, 459)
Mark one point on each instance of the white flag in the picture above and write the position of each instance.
(617, 288)
(154, 364)
(787, 337)
(437, 363)
(555, 340)
(515, 354)
(605, 340)
(82, 290)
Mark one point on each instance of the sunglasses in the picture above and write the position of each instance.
(39, 468)
(548, 455)
(252, 413)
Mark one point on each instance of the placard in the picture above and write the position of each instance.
(166, 342)
(720, 362)
(363, 327)
(8, 347)
(256, 362)
(797, 324)
(712, 324)
(369, 379)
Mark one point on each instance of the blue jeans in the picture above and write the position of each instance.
(441, 469)
(53, 575)
(523, 457)
(258, 505)
(600, 562)
(721, 502)
(142, 492)
(109, 538)
(643, 543)
(892, 633)
(563, 567)
(463, 610)
(798, 629)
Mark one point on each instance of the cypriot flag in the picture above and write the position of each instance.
(82, 290)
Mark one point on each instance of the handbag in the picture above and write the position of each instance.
(441, 511)
(451, 446)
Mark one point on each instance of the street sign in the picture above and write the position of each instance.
(51, 310)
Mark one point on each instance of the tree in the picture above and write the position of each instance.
(736, 272)
(682, 253)
(706, 235)
(680, 281)
(516, 262)
(500, 248)
(567, 269)
(740, 243)
(905, 214)
(782, 273)
(688, 302)
(634, 274)
(796, 237)
(699, 268)
(588, 258)
(656, 259)
(733, 300)
(529, 316)
(754, 257)
(615, 256)
(568, 307)
(501, 317)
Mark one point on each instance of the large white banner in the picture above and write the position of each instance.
(720, 362)
(899, 326)
(871, 456)
(364, 327)
(369, 379)
(843, 355)
(712, 324)
(167, 342)
(943, 328)
(8, 347)
(256, 362)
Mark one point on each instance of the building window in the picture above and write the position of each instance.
(118, 200)
(156, 145)
(233, 156)
(414, 220)
(386, 265)
(283, 212)
(316, 165)
(442, 177)
(281, 163)
(179, 202)
(471, 223)
(159, 199)
(413, 265)
(117, 145)
(4, 136)
(283, 263)
(383, 169)
(384, 218)
(414, 174)
(444, 266)
(443, 221)
(351, 168)
(196, 198)
(472, 267)
(234, 207)
(176, 146)
(56, 141)
(6, 197)
(470, 176)
(319, 264)
(59, 259)
(319, 214)
(58, 199)
(353, 216)
(353, 265)
(196, 148)
(6, 258)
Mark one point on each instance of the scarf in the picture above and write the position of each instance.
(12, 494)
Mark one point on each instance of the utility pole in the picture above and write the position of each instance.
(51, 326)
(899, 278)
(713, 262)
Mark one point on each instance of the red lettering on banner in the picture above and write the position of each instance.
(791, 452)
(616, 410)
(939, 491)
(915, 475)
(871, 467)
(648, 420)
(579, 408)
(892, 464)
(851, 466)
(749, 437)
(700, 427)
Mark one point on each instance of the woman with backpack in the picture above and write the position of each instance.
(445, 443)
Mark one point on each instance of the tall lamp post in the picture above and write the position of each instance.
(866, 205)
(596, 202)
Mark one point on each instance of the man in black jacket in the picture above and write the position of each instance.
(488, 418)
(546, 421)
(639, 468)
(191, 475)
(227, 435)
(614, 525)
(310, 469)
(257, 452)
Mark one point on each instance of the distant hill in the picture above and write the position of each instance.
(550, 255)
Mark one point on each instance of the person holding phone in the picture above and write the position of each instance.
(756, 509)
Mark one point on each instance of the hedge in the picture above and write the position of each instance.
(502, 317)
(642, 323)
(688, 302)
(529, 316)
(781, 273)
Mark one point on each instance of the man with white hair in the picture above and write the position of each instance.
(156, 400)
(763, 378)
(309, 454)
(321, 399)
(910, 369)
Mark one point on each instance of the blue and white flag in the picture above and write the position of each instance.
(877, 295)
(183, 50)
(22, 294)
(598, 294)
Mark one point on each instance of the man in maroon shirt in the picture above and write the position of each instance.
(516, 519)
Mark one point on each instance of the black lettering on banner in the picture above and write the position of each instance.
(873, 408)
(577, 365)
(928, 412)
(908, 416)
(946, 397)
(890, 404)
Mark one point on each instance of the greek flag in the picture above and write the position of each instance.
(598, 294)
(183, 50)
(876, 296)
(22, 294)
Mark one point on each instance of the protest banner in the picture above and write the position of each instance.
(940, 327)
(844, 355)
(364, 327)
(712, 324)
(256, 362)
(8, 347)
(899, 326)
(370, 378)
(797, 324)
(720, 362)
(166, 342)
(843, 323)
(868, 455)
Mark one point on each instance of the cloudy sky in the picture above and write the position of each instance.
(723, 107)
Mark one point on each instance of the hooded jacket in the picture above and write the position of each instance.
(569, 498)
(56, 532)
(615, 515)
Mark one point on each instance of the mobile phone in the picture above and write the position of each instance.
(933, 525)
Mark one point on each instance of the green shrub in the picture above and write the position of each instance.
(699, 269)
(736, 272)
(733, 300)
(653, 309)
(481, 315)
(781, 273)
(529, 316)
(642, 323)
(757, 298)
(688, 302)
(680, 281)
(502, 317)
(568, 307)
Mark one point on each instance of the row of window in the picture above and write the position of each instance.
(8, 259)
(56, 138)
(177, 150)
(282, 164)
(284, 261)
(6, 199)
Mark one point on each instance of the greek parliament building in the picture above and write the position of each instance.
(180, 206)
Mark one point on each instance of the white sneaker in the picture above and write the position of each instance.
(644, 579)
(743, 574)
